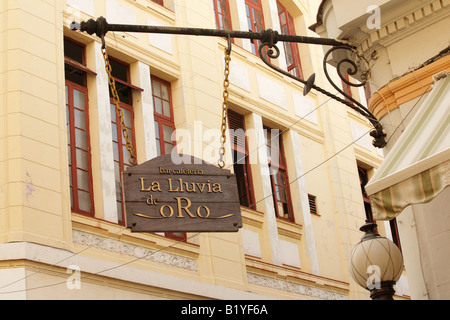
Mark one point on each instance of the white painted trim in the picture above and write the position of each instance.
(102, 105)
(243, 26)
(267, 189)
(147, 110)
(301, 184)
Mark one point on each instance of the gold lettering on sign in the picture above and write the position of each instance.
(161, 211)
(181, 171)
(185, 208)
(155, 187)
(152, 202)
(208, 212)
(193, 187)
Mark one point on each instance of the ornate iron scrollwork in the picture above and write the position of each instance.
(269, 50)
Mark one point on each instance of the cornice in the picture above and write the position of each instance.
(406, 88)
(406, 24)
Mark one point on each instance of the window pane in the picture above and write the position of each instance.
(116, 151)
(119, 70)
(70, 156)
(73, 51)
(119, 211)
(82, 159)
(164, 92)
(166, 107)
(158, 149)
(116, 170)
(81, 139)
(157, 130)
(84, 201)
(288, 50)
(83, 180)
(158, 106)
(258, 20)
(168, 148)
(71, 196)
(70, 177)
(68, 125)
(80, 119)
(118, 183)
(283, 19)
(127, 117)
(79, 101)
(113, 113)
(167, 133)
(114, 132)
(156, 88)
(280, 179)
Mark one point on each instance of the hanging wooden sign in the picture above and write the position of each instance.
(194, 196)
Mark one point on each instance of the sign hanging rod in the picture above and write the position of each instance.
(100, 27)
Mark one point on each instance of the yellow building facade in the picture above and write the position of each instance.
(62, 233)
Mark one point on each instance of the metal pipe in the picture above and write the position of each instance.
(101, 27)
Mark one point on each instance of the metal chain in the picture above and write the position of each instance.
(112, 83)
(226, 84)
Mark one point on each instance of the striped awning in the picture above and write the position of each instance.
(416, 169)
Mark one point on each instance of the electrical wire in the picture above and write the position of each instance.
(179, 241)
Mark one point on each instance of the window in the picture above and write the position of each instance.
(278, 175)
(164, 123)
(80, 172)
(255, 21)
(161, 2)
(164, 128)
(222, 11)
(364, 179)
(122, 159)
(291, 49)
(241, 163)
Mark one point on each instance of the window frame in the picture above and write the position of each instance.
(281, 166)
(246, 195)
(250, 8)
(296, 64)
(71, 86)
(162, 119)
(224, 3)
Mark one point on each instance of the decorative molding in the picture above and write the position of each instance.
(406, 88)
(127, 249)
(292, 287)
(391, 31)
